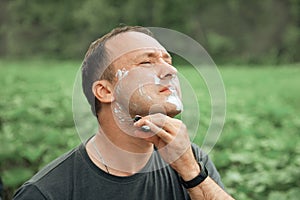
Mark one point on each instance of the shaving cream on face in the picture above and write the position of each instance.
(121, 73)
(120, 113)
(156, 80)
(142, 92)
(136, 81)
(174, 99)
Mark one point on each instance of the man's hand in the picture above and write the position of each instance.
(171, 138)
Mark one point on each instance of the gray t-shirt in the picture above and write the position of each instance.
(75, 176)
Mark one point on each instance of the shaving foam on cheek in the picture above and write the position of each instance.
(157, 80)
(146, 78)
(142, 92)
(121, 73)
(120, 113)
(174, 99)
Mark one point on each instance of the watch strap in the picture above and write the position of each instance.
(198, 179)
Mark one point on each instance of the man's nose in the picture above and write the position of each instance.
(166, 70)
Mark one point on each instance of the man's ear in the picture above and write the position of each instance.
(103, 91)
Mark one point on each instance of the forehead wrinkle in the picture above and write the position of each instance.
(155, 53)
(150, 53)
(124, 43)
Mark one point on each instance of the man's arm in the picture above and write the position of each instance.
(173, 144)
(208, 189)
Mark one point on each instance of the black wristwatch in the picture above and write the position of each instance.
(198, 179)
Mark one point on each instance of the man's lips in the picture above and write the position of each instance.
(165, 90)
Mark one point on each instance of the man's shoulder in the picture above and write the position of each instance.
(59, 164)
(56, 174)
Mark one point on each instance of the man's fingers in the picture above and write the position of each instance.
(160, 132)
(164, 128)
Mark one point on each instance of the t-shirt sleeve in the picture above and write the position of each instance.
(28, 192)
(212, 171)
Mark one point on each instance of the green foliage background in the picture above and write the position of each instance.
(231, 31)
(256, 42)
(257, 154)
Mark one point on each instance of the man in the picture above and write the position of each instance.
(140, 150)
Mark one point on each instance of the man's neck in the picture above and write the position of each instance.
(120, 153)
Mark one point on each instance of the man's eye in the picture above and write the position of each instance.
(145, 62)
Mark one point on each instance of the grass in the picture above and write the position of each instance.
(257, 153)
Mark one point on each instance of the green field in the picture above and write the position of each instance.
(257, 154)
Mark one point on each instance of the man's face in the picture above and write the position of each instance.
(146, 81)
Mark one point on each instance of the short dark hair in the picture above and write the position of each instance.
(96, 66)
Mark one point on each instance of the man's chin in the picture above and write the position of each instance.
(170, 111)
(165, 109)
(173, 113)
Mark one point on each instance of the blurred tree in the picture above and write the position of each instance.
(232, 31)
(3, 14)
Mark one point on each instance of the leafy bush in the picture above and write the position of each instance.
(36, 121)
(257, 154)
